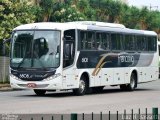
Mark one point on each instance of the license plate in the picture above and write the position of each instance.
(32, 85)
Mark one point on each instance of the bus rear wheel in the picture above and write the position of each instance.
(132, 85)
(133, 82)
(82, 87)
(40, 92)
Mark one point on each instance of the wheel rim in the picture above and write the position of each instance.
(82, 86)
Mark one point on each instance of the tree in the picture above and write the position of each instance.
(144, 18)
(154, 25)
(107, 10)
(66, 12)
(84, 7)
(130, 16)
(46, 9)
(12, 14)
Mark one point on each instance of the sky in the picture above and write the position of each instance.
(155, 4)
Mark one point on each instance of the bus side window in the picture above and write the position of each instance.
(99, 41)
(152, 43)
(102, 41)
(142, 43)
(129, 43)
(106, 41)
(116, 41)
(91, 45)
(83, 40)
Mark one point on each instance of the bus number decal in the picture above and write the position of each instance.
(84, 60)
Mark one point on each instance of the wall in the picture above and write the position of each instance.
(4, 69)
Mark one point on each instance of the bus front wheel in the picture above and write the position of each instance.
(40, 92)
(82, 87)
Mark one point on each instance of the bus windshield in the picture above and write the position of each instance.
(35, 49)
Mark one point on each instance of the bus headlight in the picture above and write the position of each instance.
(14, 77)
(52, 77)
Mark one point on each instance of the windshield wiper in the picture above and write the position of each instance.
(22, 61)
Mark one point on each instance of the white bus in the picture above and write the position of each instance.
(159, 57)
(81, 56)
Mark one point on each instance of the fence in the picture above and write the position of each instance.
(4, 69)
(107, 116)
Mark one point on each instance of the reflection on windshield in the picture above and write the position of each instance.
(35, 49)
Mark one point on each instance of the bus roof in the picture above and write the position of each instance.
(51, 26)
(84, 25)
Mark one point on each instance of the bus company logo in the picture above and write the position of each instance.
(126, 59)
(24, 76)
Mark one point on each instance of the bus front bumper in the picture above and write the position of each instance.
(55, 84)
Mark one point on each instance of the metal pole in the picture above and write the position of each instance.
(3, 63)
(155, 113)
(4, 69)
(74, 116)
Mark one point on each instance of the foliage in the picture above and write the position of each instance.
(66, 12)
(130, 16)
(12, 14)
(136, 18)
(46, 9)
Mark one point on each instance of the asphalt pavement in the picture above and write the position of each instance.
(112, 99)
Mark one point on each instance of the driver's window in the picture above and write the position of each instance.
(68, 48)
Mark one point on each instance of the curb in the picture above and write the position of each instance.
(5, 87)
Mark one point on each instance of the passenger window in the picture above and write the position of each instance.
(102, 40)
(129, 43)
(152, 44)
(116, 41)
(91, 45)
(83, 40)
(105, 41)
(142, 43)
(87, 41)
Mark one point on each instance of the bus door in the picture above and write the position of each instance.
(68, 59)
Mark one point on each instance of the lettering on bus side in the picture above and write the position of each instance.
(84, 60)
(126, 59)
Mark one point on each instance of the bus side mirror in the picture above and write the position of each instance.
(4, 45)
(6, 41)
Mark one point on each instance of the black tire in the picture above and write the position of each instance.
(82, 87)
(40, 92)
(132, 85)
(133, 82)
